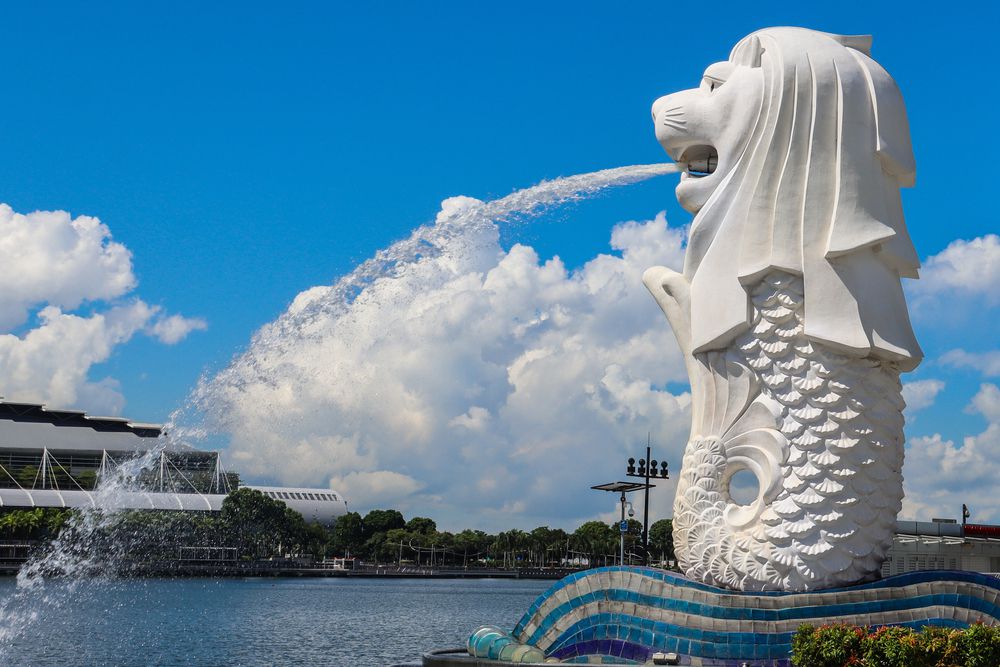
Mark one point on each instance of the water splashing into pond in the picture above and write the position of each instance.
(78, 559)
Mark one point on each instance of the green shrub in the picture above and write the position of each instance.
(979, 646)
(826, 646)
(850, 646)
(889, 647)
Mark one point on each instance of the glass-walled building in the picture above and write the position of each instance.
(69, 450)
(943, 544)
(60, 458)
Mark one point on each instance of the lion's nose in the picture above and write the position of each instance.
(658, 106)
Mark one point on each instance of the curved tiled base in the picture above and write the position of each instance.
(626, 614)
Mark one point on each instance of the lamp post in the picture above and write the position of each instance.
(622, 488)
(645, 471)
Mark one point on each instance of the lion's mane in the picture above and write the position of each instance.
(815, 193)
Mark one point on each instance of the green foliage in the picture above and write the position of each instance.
(27, 475)
(844, 645)
(422, 525)
(375, 547)
(54, 520)
(38, 523)
(472, 542)
(980, 646)
(888, 647)
(595, 539)
(347, 535)
(259, 527)
(144, 536)
(548, 546)
(508, 545)
(232, 481)
(828, 646)
(661, 540)
(381, 521)
(255, 523)
(633, 534)
(87, 479)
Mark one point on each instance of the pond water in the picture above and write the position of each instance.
(343, 621)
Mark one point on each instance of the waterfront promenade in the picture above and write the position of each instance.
(13, 556)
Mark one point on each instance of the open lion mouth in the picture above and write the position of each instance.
(699, 161)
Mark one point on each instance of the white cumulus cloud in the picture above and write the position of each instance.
(175, 328)
(49, 363)
(987, 403)
(920, 394)
(470, 384)
(942, 474)
(375, 487)
(52, 265)
(963, 270)
(987, 363)
(48, 257)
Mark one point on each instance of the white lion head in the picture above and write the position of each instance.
(796, 148)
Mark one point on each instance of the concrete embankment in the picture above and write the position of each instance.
(291, 568)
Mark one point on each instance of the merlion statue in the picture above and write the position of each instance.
(789, 311)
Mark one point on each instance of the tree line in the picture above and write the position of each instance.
(253, 526)
(250, 526)
(385, 536)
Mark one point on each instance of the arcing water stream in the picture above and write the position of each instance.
(305, 318)
(66, 568)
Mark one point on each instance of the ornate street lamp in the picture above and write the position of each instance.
(647, 471)
(622, 488)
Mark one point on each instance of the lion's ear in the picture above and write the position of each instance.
(892, 130)
(862, 43)
(749, 55)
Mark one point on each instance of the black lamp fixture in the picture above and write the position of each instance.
(647, 472)
(663, 472)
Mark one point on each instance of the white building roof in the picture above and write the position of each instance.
(34, 426)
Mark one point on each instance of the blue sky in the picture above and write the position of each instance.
(245, 152)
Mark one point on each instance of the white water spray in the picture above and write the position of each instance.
(78, 559)
(303, 319)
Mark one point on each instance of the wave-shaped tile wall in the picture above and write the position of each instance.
(625, 615)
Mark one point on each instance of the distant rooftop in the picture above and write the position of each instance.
(39, 413)
(33, 425)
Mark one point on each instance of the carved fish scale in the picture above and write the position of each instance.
(830, 481)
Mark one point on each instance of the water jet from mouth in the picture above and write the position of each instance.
(313, 314)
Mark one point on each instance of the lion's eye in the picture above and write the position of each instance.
(716, 75)
(711, 83)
